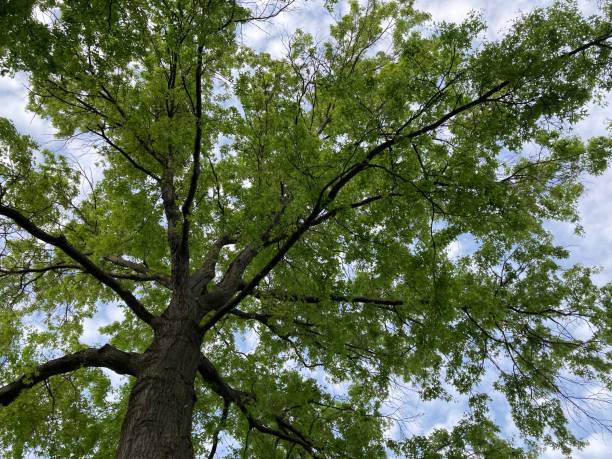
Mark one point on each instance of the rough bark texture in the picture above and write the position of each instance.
(158, 422)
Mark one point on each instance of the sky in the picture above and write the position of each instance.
(594, 248)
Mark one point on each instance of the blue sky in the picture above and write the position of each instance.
(595, 206)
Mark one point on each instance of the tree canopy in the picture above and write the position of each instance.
(308, 202)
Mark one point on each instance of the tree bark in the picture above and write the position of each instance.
(158, 422)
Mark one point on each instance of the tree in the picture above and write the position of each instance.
(310, 202)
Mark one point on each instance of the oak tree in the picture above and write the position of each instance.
(309, 203)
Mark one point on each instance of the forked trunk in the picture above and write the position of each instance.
(159, 417)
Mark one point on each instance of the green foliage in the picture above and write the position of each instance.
(475, 146)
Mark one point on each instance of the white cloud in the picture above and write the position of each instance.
(106, 314)
(454, 249)
(599, 447)
(246, 341)
(498, 14)
(448, 11)
(13, 101)
(13, 106)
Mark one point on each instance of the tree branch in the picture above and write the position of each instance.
(41, 269)
(207, 271)
(143, 273)
(599, 42)
(172, 213)
(107, 357)
(232, 278)
(59, 267)
(197, 150)
(219, 429)
(312, 299)
(333, 212)
(89, 266)
(210, 374)
(123, 153)
(105, 93)
(338, 183)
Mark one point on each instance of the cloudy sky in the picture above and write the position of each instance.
(594, 248)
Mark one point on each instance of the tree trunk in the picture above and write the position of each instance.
(158, 421)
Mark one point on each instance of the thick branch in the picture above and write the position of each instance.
(232, 278)
(159, 278)
(89, 266)
(172, 214)
(107, 357)
(333, 212)
(599, 41)
(124, 262)
(338, 184)
(280, 254)
(210, 374)
(197, 150)
(207, 271)
(312, 299)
